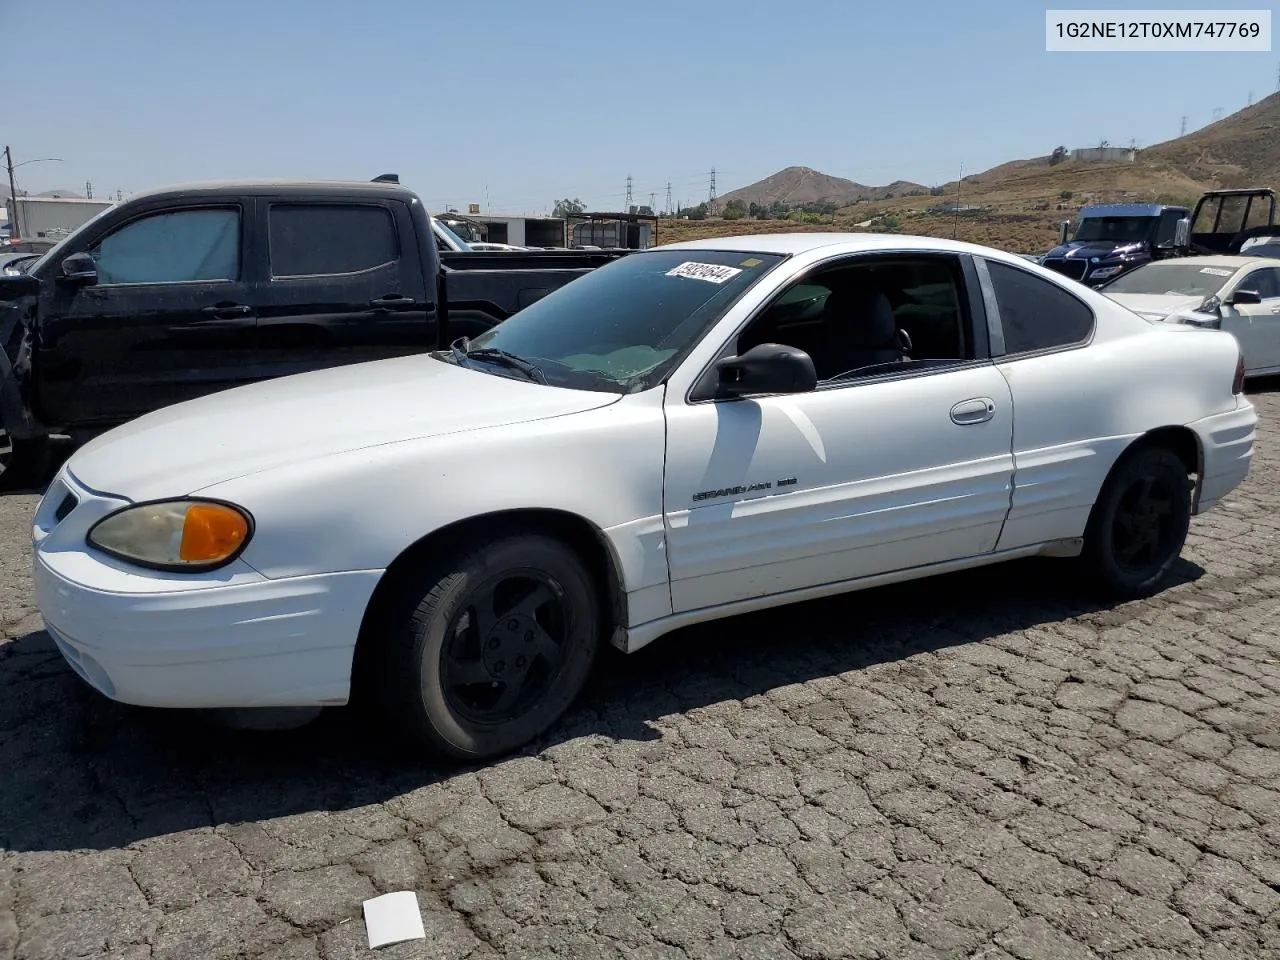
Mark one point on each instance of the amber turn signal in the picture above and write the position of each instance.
(211, 532)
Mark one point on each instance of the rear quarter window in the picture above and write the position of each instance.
(1036, 314)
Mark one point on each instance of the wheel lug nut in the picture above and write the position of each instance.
(513, 625)
(519, 661)
(499, 667)
(493, 644)
(528, 636)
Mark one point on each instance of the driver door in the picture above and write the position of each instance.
(1256, 326)
(898, 467)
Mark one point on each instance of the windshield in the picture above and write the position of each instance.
(462, 244)
(1165, 278)
(624, 326)
(1115, 229)
(36, 267)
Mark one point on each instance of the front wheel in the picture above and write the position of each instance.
(1139, 523)
(21, 461)
(491, 648)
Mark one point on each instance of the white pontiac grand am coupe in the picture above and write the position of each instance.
(690, 432)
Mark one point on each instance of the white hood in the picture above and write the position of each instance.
(188, 446)
(1156, 305)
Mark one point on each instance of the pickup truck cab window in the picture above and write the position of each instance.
(625, 326)
(310, 239)
(179, 246)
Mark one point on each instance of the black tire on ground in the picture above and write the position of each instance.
(484, 651)
(1139, 523)
(22, 462)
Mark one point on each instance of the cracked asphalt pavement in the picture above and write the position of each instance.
(978, 766)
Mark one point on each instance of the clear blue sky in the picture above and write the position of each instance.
(525, 102)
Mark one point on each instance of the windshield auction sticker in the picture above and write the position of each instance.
(1216, 271)
(711, 272)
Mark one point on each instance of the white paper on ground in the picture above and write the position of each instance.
(393, 917)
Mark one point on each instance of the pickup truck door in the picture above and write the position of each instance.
(168, 318)
(343, 284)
(1256, 326)
(866, 475)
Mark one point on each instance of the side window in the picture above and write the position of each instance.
(177, 247)
(1168, 227)
(1037, 314)
(870, 316)
(309, 239)
(1266, 281)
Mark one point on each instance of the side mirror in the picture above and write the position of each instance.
(79, 268)
(1244, 298)
(1063, 229)
(767, 368)
(1182, 234)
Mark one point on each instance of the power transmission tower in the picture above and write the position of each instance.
(711, 199)
(669, 210)
(627, 208)
(1250, 103)
(1184, 127)
(651, 201)
(1217, 114)
(1278, 80)
(88, 189)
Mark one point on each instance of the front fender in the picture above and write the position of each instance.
(15, 412)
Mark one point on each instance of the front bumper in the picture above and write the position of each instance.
(229, 638)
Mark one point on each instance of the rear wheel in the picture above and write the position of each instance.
(1139, 523)
(484, 652)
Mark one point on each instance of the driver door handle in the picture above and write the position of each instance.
(228, 309)
(977, 410)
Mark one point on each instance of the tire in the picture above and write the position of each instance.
(1139, 523)
(22, 462)
(474, 686)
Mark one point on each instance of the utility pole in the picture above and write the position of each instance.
(711, 200)
(15, 229)
(627, 207)
(670, 212)
(955, 224)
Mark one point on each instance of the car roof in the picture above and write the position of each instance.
(215, 188)
(789, 244)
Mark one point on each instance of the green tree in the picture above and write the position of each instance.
(734, 210)
(568, 208)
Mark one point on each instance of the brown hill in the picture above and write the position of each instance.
(800, 185)
(1241, 150)
(1017, 205)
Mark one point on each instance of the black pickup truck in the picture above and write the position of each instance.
(181, 292)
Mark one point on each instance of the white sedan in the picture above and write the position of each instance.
(688, 433)
(1240, 295)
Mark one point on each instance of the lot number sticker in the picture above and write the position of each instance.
(1216, 271)
(711, 272)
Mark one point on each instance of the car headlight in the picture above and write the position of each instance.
(1106, 272)
(174, 534)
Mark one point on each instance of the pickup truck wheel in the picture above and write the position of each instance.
(1139, 523)
(493, 648)
(21, 461)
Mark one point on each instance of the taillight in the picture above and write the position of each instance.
(1237, 385)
